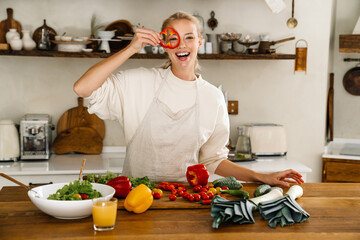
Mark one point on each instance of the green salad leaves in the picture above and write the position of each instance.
(74, 190)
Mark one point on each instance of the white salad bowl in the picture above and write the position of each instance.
(66, 209)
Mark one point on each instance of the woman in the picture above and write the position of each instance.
(172, 118)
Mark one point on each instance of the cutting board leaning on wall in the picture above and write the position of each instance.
(7, 24)
(80, 132)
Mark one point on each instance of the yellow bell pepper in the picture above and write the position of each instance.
(139, 199)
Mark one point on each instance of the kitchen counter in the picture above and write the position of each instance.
(64, 168)
(343, 149)
(334, 210)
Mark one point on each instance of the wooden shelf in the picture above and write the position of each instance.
(237, 56)
(349, 43)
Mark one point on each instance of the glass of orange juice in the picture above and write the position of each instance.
(104, 213)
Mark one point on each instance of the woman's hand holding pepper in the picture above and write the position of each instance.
(143, 37)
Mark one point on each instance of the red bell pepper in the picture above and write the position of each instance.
(122, 186)
(197, 175)
(167, 33)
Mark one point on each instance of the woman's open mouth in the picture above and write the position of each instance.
(183, 55)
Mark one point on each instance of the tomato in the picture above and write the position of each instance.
(84, 196)
(179, 193)
(205, 197)
(206, 202)
(211, 195)
(191, 198)
(157, 195)
(224, 188)
(185, 195)
(156, 190)
(212, 190)
(77, 196)
(204, 189)
(172, 197)
(173, 191)
(197, 197)
(197, 188)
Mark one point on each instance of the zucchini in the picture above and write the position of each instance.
(229, 182)
(237, 193)
(261, 190)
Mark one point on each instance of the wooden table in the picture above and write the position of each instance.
(334, 210)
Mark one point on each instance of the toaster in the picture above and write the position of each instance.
(267, 139)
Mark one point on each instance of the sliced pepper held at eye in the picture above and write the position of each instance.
(197, 175)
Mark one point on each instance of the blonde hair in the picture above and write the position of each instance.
(177, 16)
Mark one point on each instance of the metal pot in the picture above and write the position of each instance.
(351, 81)
(264, 46)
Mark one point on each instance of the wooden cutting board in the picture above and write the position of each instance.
(79, 117)
(8, 23)
(79, 140)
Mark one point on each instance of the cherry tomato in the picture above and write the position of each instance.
(212, 190)
(173, 191)
(197, 188)
(157, 195)
(225, 188)
(84, 196)
(211, 195)
(205, 197)
(185, 195)
(172, 197)
(179, 193)
(203, 189)
(156, 190)
(77, 196)
(191, 198)
(197, 197)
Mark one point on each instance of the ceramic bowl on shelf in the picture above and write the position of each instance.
(66, 209)
(71, 46)
(66, 38)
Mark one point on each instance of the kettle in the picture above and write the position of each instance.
(9, 141)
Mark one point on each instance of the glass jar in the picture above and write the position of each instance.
(243, 145)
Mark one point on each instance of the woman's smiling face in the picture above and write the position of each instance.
(185, 54)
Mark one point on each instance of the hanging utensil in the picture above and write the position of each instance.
(292, 22)
(20, 183)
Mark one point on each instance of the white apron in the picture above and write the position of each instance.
(165, 143)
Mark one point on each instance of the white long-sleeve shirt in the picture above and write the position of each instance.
(127, 95)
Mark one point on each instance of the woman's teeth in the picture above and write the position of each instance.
(182, 54)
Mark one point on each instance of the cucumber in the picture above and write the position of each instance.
(261, 190)
(229, 182)
(237, 193)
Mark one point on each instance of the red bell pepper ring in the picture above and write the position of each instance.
(197, 175)
(166, 38)
(122, 186)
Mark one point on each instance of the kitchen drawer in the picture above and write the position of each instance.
(340, 170)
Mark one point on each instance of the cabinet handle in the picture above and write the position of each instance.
(38, 184)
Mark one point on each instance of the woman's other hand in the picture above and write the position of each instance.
(144, 37)
(283, 178)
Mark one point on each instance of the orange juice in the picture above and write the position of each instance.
(104, 214)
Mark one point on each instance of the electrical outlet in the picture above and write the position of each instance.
(233, 107)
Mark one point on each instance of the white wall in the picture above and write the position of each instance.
(267, 90)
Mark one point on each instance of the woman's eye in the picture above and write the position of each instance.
(189, 37)
(173, 39)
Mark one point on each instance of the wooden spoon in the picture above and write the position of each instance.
(20, 183)
(292, 22)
